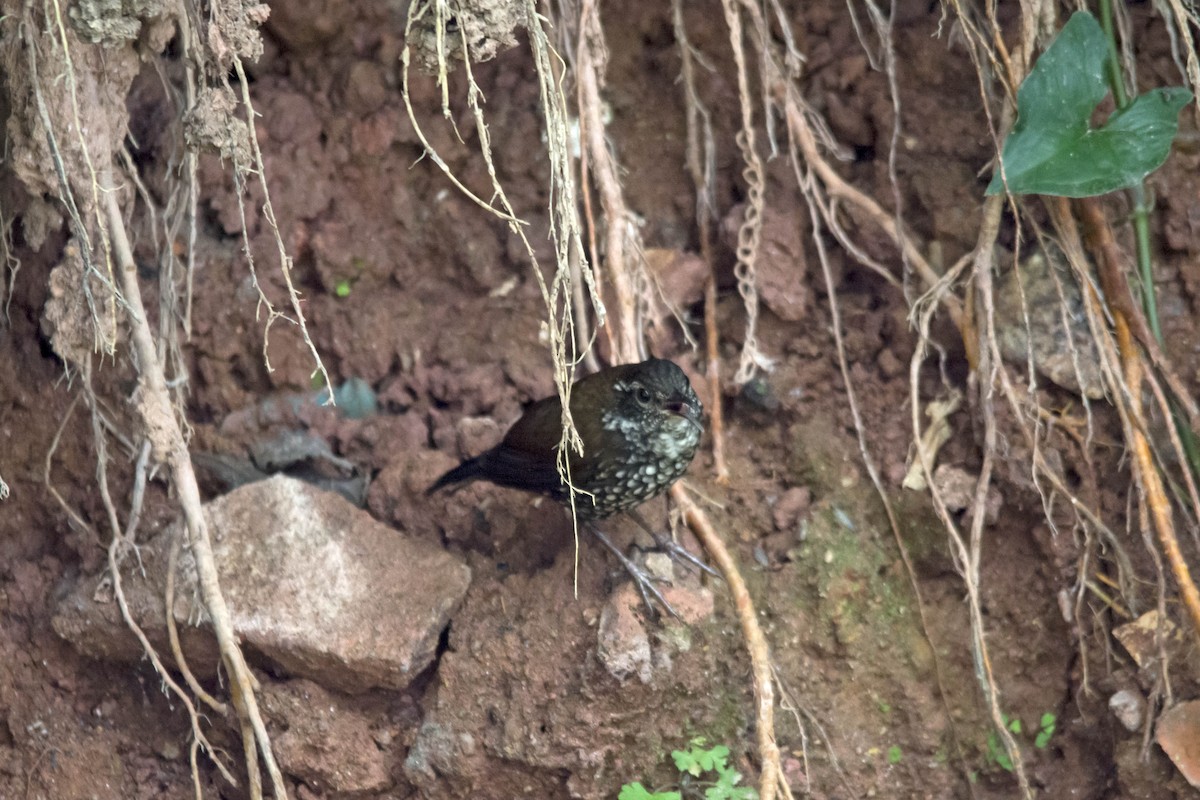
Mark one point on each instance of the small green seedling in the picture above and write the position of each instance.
(894, 754)
(635, 791)
(344, 286)
(699, 761)
(996, 753)
(1046, 731)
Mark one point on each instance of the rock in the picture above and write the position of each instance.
(1178, 734)
(1129, 707)
(790, 507)
(1071, 361)
(956, 487)
(332, 749)
(476, 434)
(1140, 638)
(437, 750)
(679, 275)
(890, 365)
(782, 266)
(621, 641)
(314, 585)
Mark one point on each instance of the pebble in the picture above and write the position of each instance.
(1129, 708)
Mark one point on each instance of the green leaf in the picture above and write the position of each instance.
(726, 788)
(1049, 725)
(1053, 149)
(635, 791)
(996, 752)
(698, 760)
(686, 762)
(894, 754)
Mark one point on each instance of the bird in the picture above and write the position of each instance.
(640, 425)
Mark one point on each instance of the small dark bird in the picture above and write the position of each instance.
(640, 425)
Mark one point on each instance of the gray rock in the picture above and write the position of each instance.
(622, 642)
(1129, 707)
(1044, 294)
(314, 585)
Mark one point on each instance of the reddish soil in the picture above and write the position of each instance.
(442, 321)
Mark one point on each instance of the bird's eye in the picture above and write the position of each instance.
(643, 395)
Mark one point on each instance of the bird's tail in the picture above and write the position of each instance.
(469, 470)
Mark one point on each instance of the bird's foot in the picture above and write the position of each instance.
(644, 582)
(678, 553)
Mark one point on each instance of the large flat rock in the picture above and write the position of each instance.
(315, 586)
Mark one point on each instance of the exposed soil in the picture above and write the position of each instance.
(412, 289)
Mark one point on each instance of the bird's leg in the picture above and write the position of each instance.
(643, 582)
(678, 553)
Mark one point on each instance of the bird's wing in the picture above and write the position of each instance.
(526, 459)
(520, 469)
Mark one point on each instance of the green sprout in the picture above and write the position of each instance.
(996, 753)
(699, 761)
(1049, 724)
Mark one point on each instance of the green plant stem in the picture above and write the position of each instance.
(1141, 230)
(1115, 80)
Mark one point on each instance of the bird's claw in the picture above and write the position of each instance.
(678, 553)
(644, 582)
(681, 555)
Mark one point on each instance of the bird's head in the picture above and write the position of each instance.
(655, 400)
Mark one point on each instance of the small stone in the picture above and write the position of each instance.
(476, 434)
(1139, 637)
(679, 275)
(782, 265)
(889, 364)
(1029, 323)
(956, 487)
(660, 566)
(622, 642)
(1129, 708)
(692, 604)
(790, 507)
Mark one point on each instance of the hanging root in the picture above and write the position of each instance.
(702, 169)
(169, 446)
(771, 781)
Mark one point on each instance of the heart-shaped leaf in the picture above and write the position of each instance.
(1052, 148)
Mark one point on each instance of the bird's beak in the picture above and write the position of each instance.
(689, 411)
